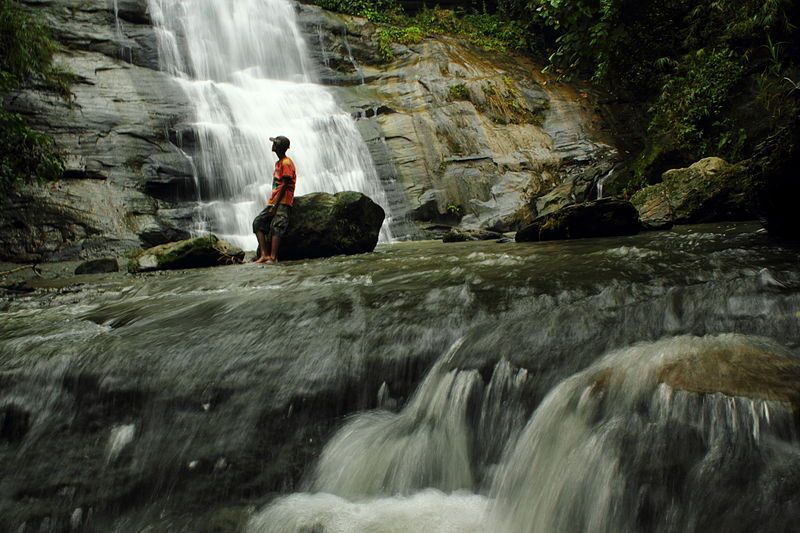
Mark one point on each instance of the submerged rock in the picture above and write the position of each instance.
(707, 191)
(600, 218)
(738, 370)
(98, 266)
(198, 252)
(323, 225)
(461, 235)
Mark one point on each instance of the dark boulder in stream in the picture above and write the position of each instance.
(601, 218)
(103, 265)
(323, 225)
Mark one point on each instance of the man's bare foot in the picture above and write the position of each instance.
(264, 259)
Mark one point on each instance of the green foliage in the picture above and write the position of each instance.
(492, 32)
(26, 56)
(26, 153)
(689, 109)
(458, 92)
(382, 11)
(392, 34)
(455, 210)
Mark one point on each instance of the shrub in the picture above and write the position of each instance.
(26, 153)
(690, 106)
(26, 56)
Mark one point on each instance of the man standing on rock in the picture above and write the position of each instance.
(274, 219)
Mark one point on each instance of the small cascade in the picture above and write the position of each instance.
(635, 442)
(125, 52)
(245, 67)
(619, 447)
(352, 59)
(425, 445)
(601, 182)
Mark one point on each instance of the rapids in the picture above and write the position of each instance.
(629, 384)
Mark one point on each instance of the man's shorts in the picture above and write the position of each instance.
(270, 224)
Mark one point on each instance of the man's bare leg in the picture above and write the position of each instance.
(276, 242)
(262, 243)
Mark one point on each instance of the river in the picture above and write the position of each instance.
(437, 387)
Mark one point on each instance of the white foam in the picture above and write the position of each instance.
(430, 511)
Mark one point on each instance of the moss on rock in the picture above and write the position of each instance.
(198, 252)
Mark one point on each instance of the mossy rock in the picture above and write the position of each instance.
(600, 218)
(199, 252)
(463, 235)
(324, 225)
(707, 191)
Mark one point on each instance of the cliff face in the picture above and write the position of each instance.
(115, 135)
(459, 136)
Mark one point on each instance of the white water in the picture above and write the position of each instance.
(610, 449)
(244, 66)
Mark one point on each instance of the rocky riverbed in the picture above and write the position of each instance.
(188, 400)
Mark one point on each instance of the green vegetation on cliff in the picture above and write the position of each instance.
(26, 58)
(490, 31)
(711, 77)
(714, 77)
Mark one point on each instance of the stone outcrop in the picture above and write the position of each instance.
(462, 235)
(452, 128)
(707, 191)
(115, 132)
(600, 218)
(199, 252)
(103, 265)
(323, 225)
(745, 371)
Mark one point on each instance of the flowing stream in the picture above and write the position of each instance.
(646, 383)
(244, 66)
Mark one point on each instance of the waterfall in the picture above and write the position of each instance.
(244, 66)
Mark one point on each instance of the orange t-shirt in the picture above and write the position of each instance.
(283, 167)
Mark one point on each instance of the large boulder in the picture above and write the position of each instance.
(707, 191)
(322, 225)
(198, 252)
(600, 218)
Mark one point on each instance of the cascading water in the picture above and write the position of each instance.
(633, 443)
(616, 385)
(244, 66)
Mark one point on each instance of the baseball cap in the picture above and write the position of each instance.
(281, 140)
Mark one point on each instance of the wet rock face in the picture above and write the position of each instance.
(323, 225)
(450, 125)
(601, 218)
(707, 191)
(114, 132)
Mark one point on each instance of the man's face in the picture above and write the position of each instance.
(275, 146)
